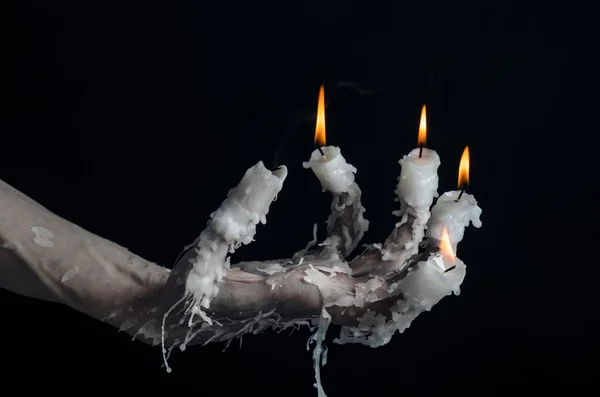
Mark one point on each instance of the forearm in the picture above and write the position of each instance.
(47, 257)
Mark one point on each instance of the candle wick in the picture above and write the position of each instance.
(460, 195)
(420, 150)
(450, 268)
(322, 153)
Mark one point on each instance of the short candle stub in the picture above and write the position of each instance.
(453, 215)
(332, 170)
(418, 180)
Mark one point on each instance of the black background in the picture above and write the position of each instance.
(133, 119)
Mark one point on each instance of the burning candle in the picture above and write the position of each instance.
(418, 181)
(438, 276)
(327, 162)
(455, 209)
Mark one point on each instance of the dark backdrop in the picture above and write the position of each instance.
(133, 119)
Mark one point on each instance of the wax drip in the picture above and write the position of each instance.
(162, 334)
(320, 351)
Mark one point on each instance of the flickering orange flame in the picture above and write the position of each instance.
(463, 169)
(320, 130)
(446, 246)
(422, 140)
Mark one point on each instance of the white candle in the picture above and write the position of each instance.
(418, 181)
(416, 189)
(332, 170)
(327, 162)
(440, 275)
(233, 224)
(453, 215)
(431, 281)
(248, 203)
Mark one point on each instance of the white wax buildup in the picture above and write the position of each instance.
(233, 224)
(334, 173)
(248, 203)
(418, 180)
(432, 280)
(454, 216)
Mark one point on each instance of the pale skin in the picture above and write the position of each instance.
(47, 257)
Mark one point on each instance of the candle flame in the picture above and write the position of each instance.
(422, 140)
(463, 169)
(320, 130)
(446, 246)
